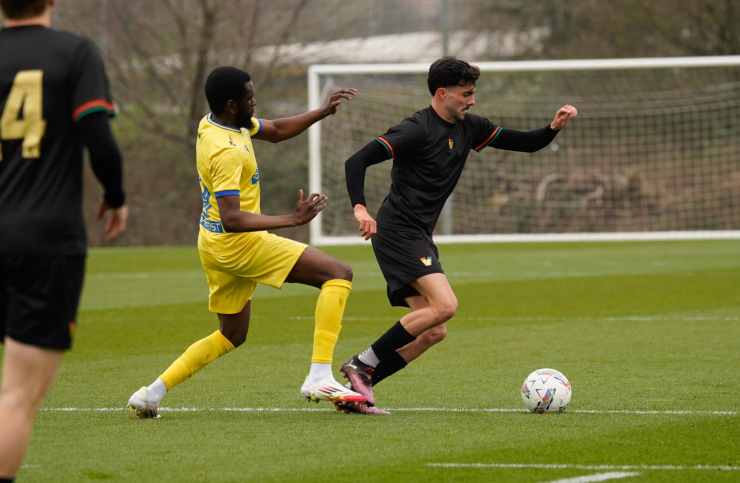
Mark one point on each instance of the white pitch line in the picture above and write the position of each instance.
(635, 412)
(558, 466)
(614, 475)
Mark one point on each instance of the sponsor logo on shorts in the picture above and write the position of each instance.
(427, 261)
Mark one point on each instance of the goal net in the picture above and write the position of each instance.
(653, 154)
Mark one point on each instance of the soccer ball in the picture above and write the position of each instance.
(546, 391)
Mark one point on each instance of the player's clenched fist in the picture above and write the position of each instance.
(367, 225)
(564, 114)
(307, 208)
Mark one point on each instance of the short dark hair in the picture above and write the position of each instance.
(225, 83)
(451, 71)
(20, 9)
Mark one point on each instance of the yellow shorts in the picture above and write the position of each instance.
(236, 263)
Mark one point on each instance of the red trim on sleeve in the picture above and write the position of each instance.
(387, 145)
(91, 105)
(493, 134)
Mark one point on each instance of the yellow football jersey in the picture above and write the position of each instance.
(234, 263)
(226, 166)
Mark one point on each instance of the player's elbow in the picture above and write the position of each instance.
(230, 222)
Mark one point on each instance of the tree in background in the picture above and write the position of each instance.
(618, 28)
(160, 52)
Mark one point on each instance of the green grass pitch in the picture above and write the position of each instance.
(648, 333)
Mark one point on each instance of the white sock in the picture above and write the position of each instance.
(157, 389)
(320, 371)
(368, 357)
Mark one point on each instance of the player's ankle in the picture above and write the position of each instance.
(319, 371)
(157, 390)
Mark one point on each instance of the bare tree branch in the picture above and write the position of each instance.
(143, 57)
(204, 47)
(282, 39)
(253, 25)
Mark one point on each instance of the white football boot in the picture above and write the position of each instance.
(329, 389)
(142, 405)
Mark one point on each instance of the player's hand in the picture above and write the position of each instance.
(115, 220)
(336, 98)
(307, 208)
(564, 114)
(368, 226)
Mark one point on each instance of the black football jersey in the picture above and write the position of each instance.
(49, 80)
(429, 155)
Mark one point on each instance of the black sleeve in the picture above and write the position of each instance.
(105, 158)
(354, 169)
(402, 138)
(90, 87)
(526, 141)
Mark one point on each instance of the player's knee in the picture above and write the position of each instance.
(342, 271)
(237, 337)
(20, 402)
(446, 310)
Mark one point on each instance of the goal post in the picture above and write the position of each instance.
(653, 155)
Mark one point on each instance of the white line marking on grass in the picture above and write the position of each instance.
(520, 466)
(615, 475)
(629, 412)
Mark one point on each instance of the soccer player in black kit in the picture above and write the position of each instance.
(54, 99)
(429, 150)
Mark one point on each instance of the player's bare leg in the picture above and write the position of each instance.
(334, 279)
(425, 340)
(415, 333)
(28, 373)
(236, 326)
(441, 304)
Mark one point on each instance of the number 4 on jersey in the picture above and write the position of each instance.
(23, 114)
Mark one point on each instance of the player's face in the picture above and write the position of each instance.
(246, 106)
(458, 99)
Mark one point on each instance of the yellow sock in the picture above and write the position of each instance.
(328, 324)
(195, 357)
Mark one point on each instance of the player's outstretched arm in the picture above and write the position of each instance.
(277, 130)
(235, 220)
(536, 139)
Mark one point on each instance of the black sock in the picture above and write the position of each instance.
(395, 338)
(388, 367)
(7, 480)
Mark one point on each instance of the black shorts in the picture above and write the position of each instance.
(39, 297)
(404, 256)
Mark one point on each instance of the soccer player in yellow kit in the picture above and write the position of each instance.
(237, 252)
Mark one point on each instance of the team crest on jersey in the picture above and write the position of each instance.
(256, 177)
(450, 143)
(426, 261)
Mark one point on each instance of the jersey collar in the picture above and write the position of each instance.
(439, 118)
(213, 121)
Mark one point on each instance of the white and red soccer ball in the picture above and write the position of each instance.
(546, 391)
